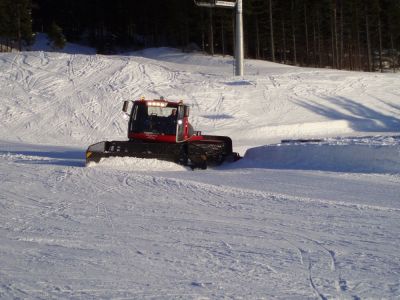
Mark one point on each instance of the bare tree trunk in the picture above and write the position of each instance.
(203, 34)
(369, 54)
(19, 37)
(222, 36)
(319, 39)
(393, 53)
(211, 36)
(350, 52)
(257, 38)
(271, 26)
(333, 41)
(358, 41)
(294, 37)
(284, 41)
(306, 33)
(203, 43)
(341, 37)
(233, 35)
(335, 34)
(380, 41)
(294, 47)
(184, 28)
(314, 45)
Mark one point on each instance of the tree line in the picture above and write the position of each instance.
(342, 34)
(15, 23)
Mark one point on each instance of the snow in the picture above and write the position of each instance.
(290, 220)
(42, 43)
(137, 164)
(368, 154)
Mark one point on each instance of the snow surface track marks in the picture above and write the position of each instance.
(183, 237)
(120, 230)
(81, 96)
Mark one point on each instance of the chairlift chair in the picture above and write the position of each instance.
(215, 3)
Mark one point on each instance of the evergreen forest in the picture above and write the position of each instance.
(342, 34)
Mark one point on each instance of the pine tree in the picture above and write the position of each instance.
(56, 36)
(16, 22)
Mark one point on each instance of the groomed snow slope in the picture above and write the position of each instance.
(296, 225)
(64, 99)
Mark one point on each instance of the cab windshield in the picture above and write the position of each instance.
(153, 119)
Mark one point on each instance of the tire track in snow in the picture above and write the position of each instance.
(266, 195)
(220, 259)
(309, 265)
(306, 259)
(75, 92)
(23, 79)
(52, 103)
(44, 59)
(157, 78)
(219, 228)
(317, 252)
(98, 189)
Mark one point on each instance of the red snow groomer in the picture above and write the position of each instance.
(160, 129)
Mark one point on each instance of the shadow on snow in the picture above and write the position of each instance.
(217, 117)
(68, 158)
(361, 117)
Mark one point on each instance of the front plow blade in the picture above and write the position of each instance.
(96, 152)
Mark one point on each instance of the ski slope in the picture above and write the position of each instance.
(288, 221)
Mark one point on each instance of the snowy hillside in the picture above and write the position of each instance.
(80, 96)
(289, 220)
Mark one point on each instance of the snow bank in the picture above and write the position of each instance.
(369, 154)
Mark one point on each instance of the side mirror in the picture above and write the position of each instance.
(125, 106)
